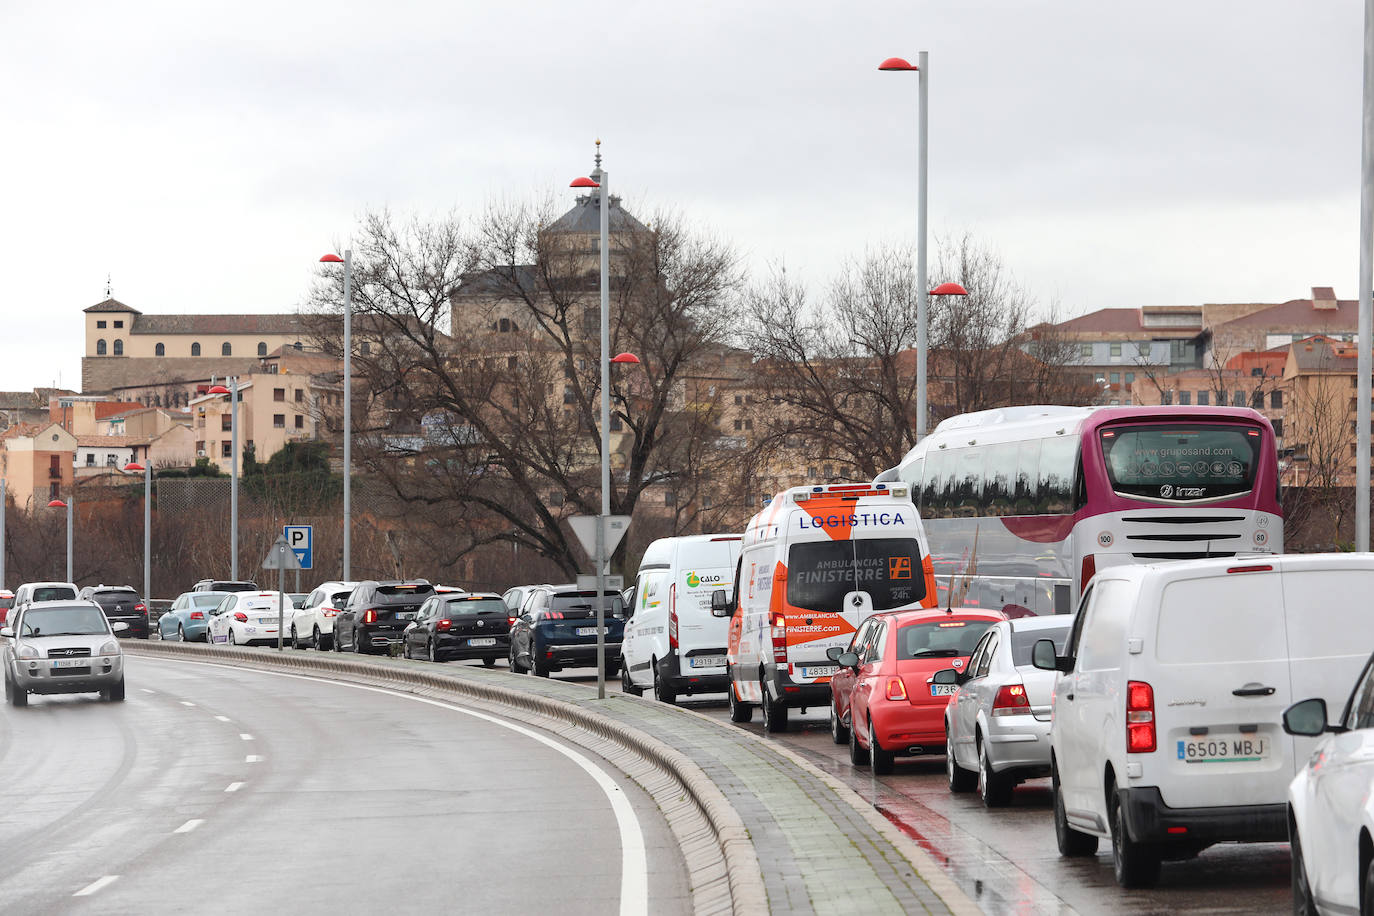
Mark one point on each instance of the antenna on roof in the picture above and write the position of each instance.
(108, 294)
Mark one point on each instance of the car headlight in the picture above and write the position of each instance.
(111, 647)
(27, 651)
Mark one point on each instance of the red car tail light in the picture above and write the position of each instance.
(240, 616)
(370, 615)
(896, 690)
(554, 615)
(778, 622)
(1011, 700)
(141, 608)
(1140, 717)
(444, 625)
(327, 611)
(510, 621)
(197, 615)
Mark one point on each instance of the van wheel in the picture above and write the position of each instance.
(993, 788)
(858, 756)
(839, 733)
(740, 711)
(1135, 864)
(1071, 842)
(880, 758)
(774, 713)
(663, 691)
(627, 685)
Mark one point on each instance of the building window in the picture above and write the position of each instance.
(591, 319)
(1257, 400)
(300, 422)
(90, 459)
(1114, 378)
(739, 424)
(1278, 428)
(109, 461)
(669, 499)
(1130, 377)
(1144, 349)
(1275, 400)
(706, 501)
(100, 347)
(748, 424)
(279, 394)
(262, 348)
(279, 420)
(505, 325)
(226, 422)
(1238, 399)
(1185, 398)
(226, 349)
(160, 350)
(365, 348)
(195, 349)
(1116, 349)
(556, 498)
(100, 324)
(119, 348)
(119, 324)
(300, 395)
(1166, 397)
(1085, 350)
(568, 397)
(739, 399)
(226, 448)
(53, 490)
(512, 362)
(811, 472)
(616, 424)
(1204, 398)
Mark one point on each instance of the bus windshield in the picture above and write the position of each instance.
(821, 573)
(1182, 461)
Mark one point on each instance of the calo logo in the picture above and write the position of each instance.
(693, 580)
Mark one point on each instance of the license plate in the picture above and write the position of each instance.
(587, 631)
(405, 615)
(70, 662)
(943, 690)
(483, 641)
(819, 670)
(1223, 748)
(707, 661)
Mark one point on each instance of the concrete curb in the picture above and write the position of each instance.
(745, 881)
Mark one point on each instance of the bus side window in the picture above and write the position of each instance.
(911, 476)
(1057, 459)
(933, 487)
(999, 477)
(969, 470)
(1024, 501)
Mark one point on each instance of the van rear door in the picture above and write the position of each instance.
(1220, 687)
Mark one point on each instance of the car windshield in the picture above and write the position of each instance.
(1181, 461)
(940, 638)
(63, 621)
(207, 599)
(1023, 641)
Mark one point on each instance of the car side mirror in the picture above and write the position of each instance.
(947, 676)
(1308, 717)
(721, 605)
(848, 660)
(7, 632)
(119, 626)
(1044, 657)
(834, 653)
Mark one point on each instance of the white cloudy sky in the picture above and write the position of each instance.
(204, 154)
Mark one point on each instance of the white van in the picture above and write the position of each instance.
(672, 642)
(815, 563)
(1166, 732)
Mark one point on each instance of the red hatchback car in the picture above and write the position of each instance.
(882, 700)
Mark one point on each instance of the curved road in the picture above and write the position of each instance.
(236, 791)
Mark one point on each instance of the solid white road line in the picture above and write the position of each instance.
(233, 787)
(190, 825)
(245, 737)
(184, 703)
(146, 690)
(96, 885)
(634, 867)
(222, 718)
(252, 758)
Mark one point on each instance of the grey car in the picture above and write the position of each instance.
(62, 647)
(997, 724)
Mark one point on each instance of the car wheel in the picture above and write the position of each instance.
(838, 732)
(510, 660)
(663, 692)
(181, 633)
(879, 757)
(14, 694)
(233, 640)
(627, 685)
(115, 693)
(1367, 898)
(960, 779)
(335, 641)
(357, 643)
(1134, 864)
(993, 788)
(433, 651)
(295, 640)
(1071, 842)
(740, 711)
(315, 640)
(858, 756)
(1303, 903)
(537, 668)
(489, 662)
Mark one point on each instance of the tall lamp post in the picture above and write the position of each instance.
(347, 261)
(59, 504)
(601, 560)
(1365, 318)
(233, 392)
(147, 527)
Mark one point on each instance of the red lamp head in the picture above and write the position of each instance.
(897, 63)
(331, 259)
(628, 358)
(583, 183)
(134, 466)
(57, 504)
(949, 289)
(217, 389)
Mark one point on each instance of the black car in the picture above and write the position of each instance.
(377, 614)
(457, 626)
(120, 603)
(556, 629)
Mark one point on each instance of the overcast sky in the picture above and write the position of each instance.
(203, 155)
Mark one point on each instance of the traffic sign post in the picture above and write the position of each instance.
(600, 541)
(281, 557)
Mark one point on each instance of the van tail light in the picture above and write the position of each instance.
(240, 616)
(1140, 717)
(672, 616)
(443, 626)
(1011, 700)
(370, 615)
(778, 623)
(896, 690)
(1089, 570)
(197, 615)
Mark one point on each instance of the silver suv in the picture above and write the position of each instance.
(62, 647)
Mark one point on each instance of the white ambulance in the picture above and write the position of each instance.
(673, 644)
(816, 562)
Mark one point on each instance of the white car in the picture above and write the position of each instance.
(313, 625)
(1331, 805)
(244, 618)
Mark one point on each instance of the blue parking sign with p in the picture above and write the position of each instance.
(299, 539)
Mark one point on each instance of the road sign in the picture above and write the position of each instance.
(301, 539)
(280, 556)
(588, 583)
(584, 526)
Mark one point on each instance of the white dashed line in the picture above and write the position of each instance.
(186, 703)
(190, 825)
(146, 690)
(96, 885)
(233, 787)
(252, 758)
(222, 718)
(245, 737)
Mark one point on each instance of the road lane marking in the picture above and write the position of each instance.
(233, 787)
(222, 718)
(245, 737)
(146, 690)
(634, 868)
(96, 885)
(185, 703)
(252, 758)
(190, 825)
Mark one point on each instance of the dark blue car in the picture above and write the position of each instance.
(556, 629)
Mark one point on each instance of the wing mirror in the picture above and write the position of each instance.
(7, 632)
(721, 605)
(834, 653)
(848, 660)
(1044, 657)
(1307, 718)
(119, 626)
(949, 676)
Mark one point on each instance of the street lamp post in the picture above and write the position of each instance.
(59, 504)
(1365, 318)
(347, 261)
(147, 527)
(233, 392)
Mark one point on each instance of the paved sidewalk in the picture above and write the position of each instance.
(821, 849)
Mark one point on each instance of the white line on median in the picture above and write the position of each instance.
(233, 787)
(96, 885)
(190, 825)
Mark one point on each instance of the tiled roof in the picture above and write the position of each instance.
(102, 374)
(1317, 354)
(112, 305)
(110, 441)
(218, 324)
(585, 216)
(1301, 315)
(1104, 321)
